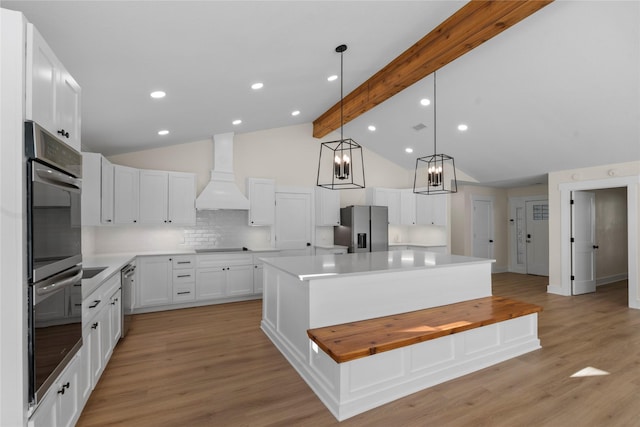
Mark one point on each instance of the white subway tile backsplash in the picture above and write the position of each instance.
(225, 228)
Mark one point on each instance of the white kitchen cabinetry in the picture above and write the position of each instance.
(97, 190)
(258, 274)
(126, 185)
(262, 199)
(62, 405)
(431, 210)
(184, 278)
(52, 95)
(327, 207)
(167, 197)
(224, 275)
(407, 207)
(155, 286)
(115, 319)
(389, 197)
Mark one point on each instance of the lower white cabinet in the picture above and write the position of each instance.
(155, 285)
(62, 405)
(258, 274)
(224, 275)
(184, 278)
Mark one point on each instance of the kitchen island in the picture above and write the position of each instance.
(303, 293)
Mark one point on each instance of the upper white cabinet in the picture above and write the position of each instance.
(126, 183)
(431, 210)
(407, 207)
(389, 197)
(53, 96)
(262, 198)
(167, 197)
(327, 207)
(97, 190)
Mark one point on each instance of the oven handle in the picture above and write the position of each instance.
(48, 176)
(53, 284)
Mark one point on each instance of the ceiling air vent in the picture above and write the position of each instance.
(419, 126)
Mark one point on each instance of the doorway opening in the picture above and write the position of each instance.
(599, 239)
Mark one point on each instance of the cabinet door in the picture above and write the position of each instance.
(394, 202)
(258, 274)
(440, 210)
(68, 108)
(106, 323)
(84, 375)
(41, 81)
(408, 207)
(262, 198)
(182, 198)
(431, 210)
(68, 391)
(94, 341)
(106, 185)
(239, 280)
(154, 187)
(47, 413)
(327, 207)
(210, 283)
(126, 183)
(154, 281)
(116, 317)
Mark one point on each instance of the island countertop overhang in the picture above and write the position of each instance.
(353, 264)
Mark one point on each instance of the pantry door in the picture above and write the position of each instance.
(482, 228)
(537, 229)
(293, 220)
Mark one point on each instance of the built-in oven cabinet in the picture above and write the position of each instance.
(52, 95)
(97, 189)
(63, 404)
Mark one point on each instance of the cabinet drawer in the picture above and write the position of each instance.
(187, 275)
(184, 261)
(184, 292)
(223, 260)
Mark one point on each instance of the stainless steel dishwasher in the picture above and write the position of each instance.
(127, 275)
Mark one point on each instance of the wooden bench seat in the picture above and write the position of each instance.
(349, 341)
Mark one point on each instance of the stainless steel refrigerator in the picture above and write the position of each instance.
(363, 229)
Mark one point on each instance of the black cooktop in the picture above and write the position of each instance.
(200, 251)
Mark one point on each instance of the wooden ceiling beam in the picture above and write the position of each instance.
(473, 24)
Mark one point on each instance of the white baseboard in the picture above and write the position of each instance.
(611, 279)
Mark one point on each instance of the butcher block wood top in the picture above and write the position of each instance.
(349, 341)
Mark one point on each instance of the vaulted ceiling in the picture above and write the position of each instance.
(559, 90)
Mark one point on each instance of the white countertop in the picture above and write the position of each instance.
(116, 261)
(419, 245)
(328, 266)
(331, 247)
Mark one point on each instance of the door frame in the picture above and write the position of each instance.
(514, 203)
(632, 183)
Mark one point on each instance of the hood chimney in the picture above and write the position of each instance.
(222, 192)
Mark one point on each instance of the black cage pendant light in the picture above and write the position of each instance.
(435, 174)
(341, 164)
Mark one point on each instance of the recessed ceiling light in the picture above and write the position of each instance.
(332, 78)
(236, 122)
(462, 127)
(257, 86)
(163, 132)
(425, 101)
(371, 128)
(408, 150)
(295, 113)
(158, 94)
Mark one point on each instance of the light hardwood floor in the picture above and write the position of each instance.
(213, 366)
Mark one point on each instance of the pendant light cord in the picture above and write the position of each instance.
(341, 96)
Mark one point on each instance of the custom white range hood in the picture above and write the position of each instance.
(222, 192)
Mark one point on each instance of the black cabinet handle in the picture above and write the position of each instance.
(135, 220)
(169, 220)
(490, 240)
(184, 262)
(184, 292)
(184, 275)
(595, 246)
(94, 326)
(63, 133)
(108, 220)
(95, 304)
(61, 391)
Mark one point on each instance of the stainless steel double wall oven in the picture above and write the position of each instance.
(54, 257)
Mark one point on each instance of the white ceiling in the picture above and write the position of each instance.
(559, 90)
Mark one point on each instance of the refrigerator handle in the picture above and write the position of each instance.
(362, 240)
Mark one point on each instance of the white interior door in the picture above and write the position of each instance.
(293, 220)
(537, 237)
(583, 232)
(482, 228)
